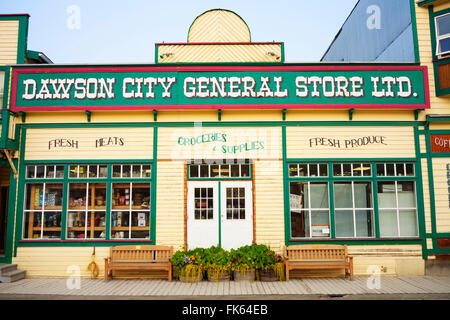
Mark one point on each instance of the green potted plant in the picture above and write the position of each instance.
(217, 264)
(270, 265)
(189, 265)
(243, 263)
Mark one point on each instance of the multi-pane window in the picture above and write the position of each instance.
(352, 189)
(130, 215)
(131, 171)
(204, 203)
(42, 210)
(91, 196)
(442, 34)
(352, 170)
(308, 170)
(88, 171)
(86, 211)
(353, 213)
(219, 169)
(310, 213)
(397, 209)
(235, 203)
(45, 172)
(395, 169)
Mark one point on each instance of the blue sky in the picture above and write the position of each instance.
(126, 31)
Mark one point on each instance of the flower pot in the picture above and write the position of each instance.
(191, 275)
(244, 276)
(268, 275)
(218, 277)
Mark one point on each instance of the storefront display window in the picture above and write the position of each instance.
(43, 208)
(353, 209)
(86, 211)
(81, 192)
(352, 188)
(130, 215)
(397, 207)
(309, 209)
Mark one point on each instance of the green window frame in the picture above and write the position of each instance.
(222, 169)
(442, 35)
(87, 201)
(358, 193)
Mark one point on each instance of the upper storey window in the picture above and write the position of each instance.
(443, 34)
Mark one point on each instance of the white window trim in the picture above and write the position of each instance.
(438, 38)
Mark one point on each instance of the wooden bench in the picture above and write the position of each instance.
(139, 257)
(318, 257)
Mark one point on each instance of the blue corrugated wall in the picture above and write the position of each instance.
(362, 38)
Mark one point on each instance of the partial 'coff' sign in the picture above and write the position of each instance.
(440, 143)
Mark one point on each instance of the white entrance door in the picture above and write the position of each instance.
(202, 214)
(236, 214)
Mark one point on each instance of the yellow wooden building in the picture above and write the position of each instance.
(220, 141)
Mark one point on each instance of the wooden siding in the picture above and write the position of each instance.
(9, 35)
(188, 53)
(269, 206)
(441, 193)
(137, 144)
(169, 147)
(219, 26)
(423, 145)
(170, 205)
(399, 142)
(54, 262)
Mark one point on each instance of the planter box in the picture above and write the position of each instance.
(191, 279)
(268, 275)
(224, 276)
(246, 276)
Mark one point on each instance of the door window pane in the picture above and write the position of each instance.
(235, 203)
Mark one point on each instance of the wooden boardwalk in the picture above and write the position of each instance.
(158, 288)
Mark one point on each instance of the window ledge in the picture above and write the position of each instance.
(357, 239)
(83, 241)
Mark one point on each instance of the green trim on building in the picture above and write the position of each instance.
(425, 2)
(414, 30)
(419, 191)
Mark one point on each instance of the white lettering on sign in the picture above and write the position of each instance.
(331, 86)
(217, 87)
(91, 88)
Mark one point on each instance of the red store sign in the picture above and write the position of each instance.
(440, 142)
